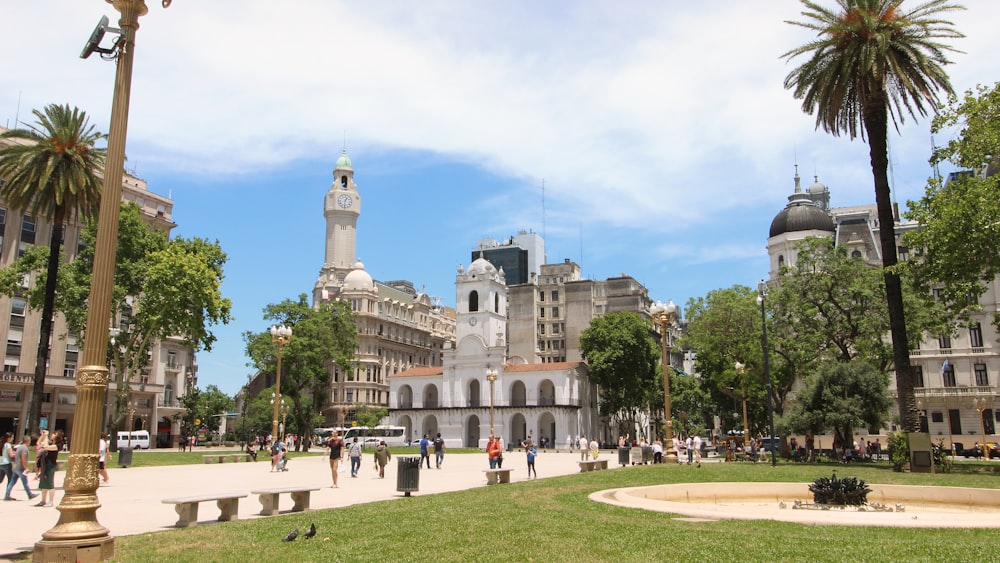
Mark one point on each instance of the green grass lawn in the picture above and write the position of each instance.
(553, 520)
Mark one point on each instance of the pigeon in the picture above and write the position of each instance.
(311, 531)
(292, 536)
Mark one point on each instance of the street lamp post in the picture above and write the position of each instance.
(664, 316)
(761, 294)
(491, 376)
(78, 534)
(280, 335)
(742, 370)
(983, 404)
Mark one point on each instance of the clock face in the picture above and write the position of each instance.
(472, 321)
(345, 201)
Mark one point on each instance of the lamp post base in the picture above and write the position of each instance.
(82, 550)
(670, 456)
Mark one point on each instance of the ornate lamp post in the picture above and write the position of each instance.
(742, 370)
(78, 528)
(280, 335)
(761, 294)
(491, 376)
(984, 404)
(664, 316)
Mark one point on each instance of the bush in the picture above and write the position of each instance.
(899, 451)
(849, 491)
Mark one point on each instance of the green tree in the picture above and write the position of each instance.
(840, 397)
(623, 360)
(322, 340)
(956, 248)
(50, 170)
(204, 408)
(873, 61)
(825, 308)
(162, 289)
(368, 416)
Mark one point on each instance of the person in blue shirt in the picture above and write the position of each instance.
(424, 444)
(532, 452)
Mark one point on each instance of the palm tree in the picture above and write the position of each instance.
(872, 61)
(50, 170)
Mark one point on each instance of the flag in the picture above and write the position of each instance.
(945, 366)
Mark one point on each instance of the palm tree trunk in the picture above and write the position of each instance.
(45, 332)
(876, 125)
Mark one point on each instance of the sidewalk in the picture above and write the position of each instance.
(131, 501)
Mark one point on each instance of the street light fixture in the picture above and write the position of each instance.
(761, 294)
(742, 370)
(664, 316)
(78, 534)
(280, 335)
(491, 376)
(984, 404)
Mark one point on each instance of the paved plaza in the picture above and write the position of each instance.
(131, 501)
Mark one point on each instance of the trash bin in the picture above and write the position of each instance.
(407, 474)
(124, 456)
(647, 454)
(623, 455)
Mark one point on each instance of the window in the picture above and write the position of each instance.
(944, 342)
(918, 376)
(976, 335)
(541, 295)
(541, 312)
(955, 421)
(903, 253)
(937, 416)
(856, 254)
(781, 261)
(541, 328)
(473, 301)
(555, 295)
(69, 370)
(982, 378)
(555, 328)
(17, 307)
(948, 376)
(171, 360)
(555, 312)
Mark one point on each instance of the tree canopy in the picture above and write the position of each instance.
(956, 246)
(622, 358)
(322, 340)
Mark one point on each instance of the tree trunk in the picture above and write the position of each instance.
(876, 124)
(45, 331)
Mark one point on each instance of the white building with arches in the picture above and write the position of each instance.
(552, 400)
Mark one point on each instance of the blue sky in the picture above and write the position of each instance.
(662, 131)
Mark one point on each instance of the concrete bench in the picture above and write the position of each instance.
(496, 476)
(593, 465)
(269, 498)
(222, 458)
(187, 507)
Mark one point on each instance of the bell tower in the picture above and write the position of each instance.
(341, 208)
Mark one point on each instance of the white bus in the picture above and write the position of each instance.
(138, 438)
(393, 435)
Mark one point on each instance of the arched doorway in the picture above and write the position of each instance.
(472, 432)
(547, 429)
(518, 429)
(518, 395)
(405, 398)
(406, 422)
(430, 399)
(546, 393)
(430, 425)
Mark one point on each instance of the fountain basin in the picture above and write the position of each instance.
(925, 506)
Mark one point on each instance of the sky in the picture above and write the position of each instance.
(650, 138)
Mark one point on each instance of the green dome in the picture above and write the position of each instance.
(344, 161)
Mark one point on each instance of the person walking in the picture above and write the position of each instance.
(19, 469)
(424, 454)
(696, 442)
(438, 450)
(49, 462)
(595, 448)
(382, 457)
(354, 452)
(531, 452)
(102, 458)
(6, 470)
(584, 447)
(689, 446)
(336, 446)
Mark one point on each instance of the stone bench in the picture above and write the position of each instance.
(187, 507)
(496, 476)
(222, 458)
(593, 465)
(269, 498)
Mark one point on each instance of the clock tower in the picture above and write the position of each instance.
(481, 305)
(341, 207)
